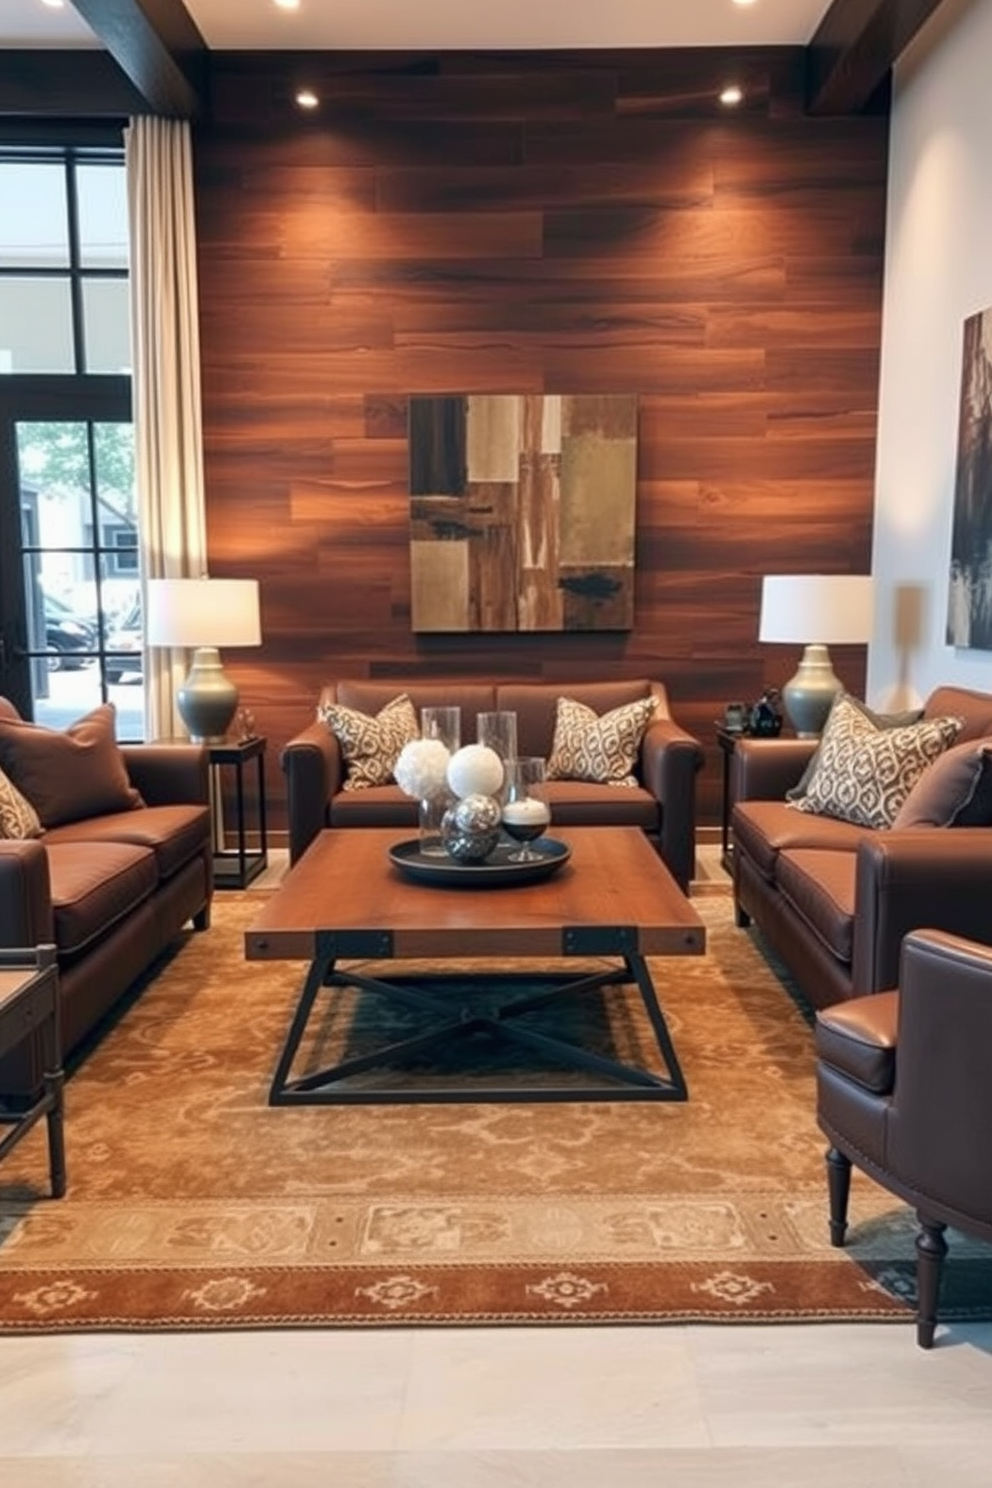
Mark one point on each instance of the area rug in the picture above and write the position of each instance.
(193, 1204)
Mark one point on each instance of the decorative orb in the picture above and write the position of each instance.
(470, 829)
(422, 767)
(475, 770)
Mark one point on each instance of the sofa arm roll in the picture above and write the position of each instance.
(312, 765)
(670, 760)
(937, 878)
(169, 774)
(26, 918)
(764, 769)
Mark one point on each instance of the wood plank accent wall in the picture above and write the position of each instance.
(530, 223)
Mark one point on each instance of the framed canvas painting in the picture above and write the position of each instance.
(522, 511)
(969, 610)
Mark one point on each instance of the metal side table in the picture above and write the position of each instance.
(235, 867)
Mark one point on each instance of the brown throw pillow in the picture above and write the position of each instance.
(864, 774)
(68, 774)
(955, 791)
(601, 749)
(371, 746)
(18, 817)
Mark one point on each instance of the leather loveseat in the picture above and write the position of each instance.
(110, 890)
(662, 803)
(834, 900)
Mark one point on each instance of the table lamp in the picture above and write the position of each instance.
(204, 614)
(814, 611)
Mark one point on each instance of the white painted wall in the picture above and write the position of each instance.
(938, 271)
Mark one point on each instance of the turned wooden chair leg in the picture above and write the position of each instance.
(839, 1188)
(931, 1248)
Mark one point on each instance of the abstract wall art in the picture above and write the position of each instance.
(969, 610)
(522, 511)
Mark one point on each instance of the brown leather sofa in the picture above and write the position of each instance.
(904, 1093)
(663, 803)
(110, 892)
(833, 900)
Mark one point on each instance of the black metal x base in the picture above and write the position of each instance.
(461, 1020)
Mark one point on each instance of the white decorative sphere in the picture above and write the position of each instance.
(421, 769)
(475, 770)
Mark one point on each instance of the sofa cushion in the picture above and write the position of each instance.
(68, 774)
(954, 791)
(175, 834)
(604, 748)
(376, 806)
(863, 773)
(371, 696)
(583, 803)
(94, 885)
(763, 829)
(18, 818)
(819, 884)
(574, 803)
(371, 746)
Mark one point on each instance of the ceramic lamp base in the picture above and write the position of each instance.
(809, 695)
(208, 699)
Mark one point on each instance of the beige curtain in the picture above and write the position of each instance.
(166, 347)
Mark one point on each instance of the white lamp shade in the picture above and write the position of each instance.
(203, 612)
(827, 609)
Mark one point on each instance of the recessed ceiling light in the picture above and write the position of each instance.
(732, 96)
(743, 2)
(54, 4)
(307, 98)
(295, 4)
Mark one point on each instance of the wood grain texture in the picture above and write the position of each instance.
(535, 224)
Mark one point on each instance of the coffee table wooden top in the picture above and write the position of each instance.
(615, 892)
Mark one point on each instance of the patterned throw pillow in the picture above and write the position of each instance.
(864, 774)
(602, 749)
(371, 746)
(18, 817)
(880, 720)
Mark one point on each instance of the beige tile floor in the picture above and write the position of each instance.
(791, 1406)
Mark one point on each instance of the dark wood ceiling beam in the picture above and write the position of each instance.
(854, 48)
(157, 46)
(61, 85)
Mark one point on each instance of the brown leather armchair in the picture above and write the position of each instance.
(904, 1092)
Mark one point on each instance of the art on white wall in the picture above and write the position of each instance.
(969, 609)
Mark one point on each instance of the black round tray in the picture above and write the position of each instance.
(496, 872)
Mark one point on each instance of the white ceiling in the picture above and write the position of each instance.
(450, 24)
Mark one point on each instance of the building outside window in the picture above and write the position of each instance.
(70, 617)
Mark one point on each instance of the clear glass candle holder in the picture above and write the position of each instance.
(498, 731)
(526, 814)
(444, 724)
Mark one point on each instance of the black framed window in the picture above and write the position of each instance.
(70, 621)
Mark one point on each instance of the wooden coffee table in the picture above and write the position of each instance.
(345, 901)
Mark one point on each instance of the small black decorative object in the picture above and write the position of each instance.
(765, 720)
